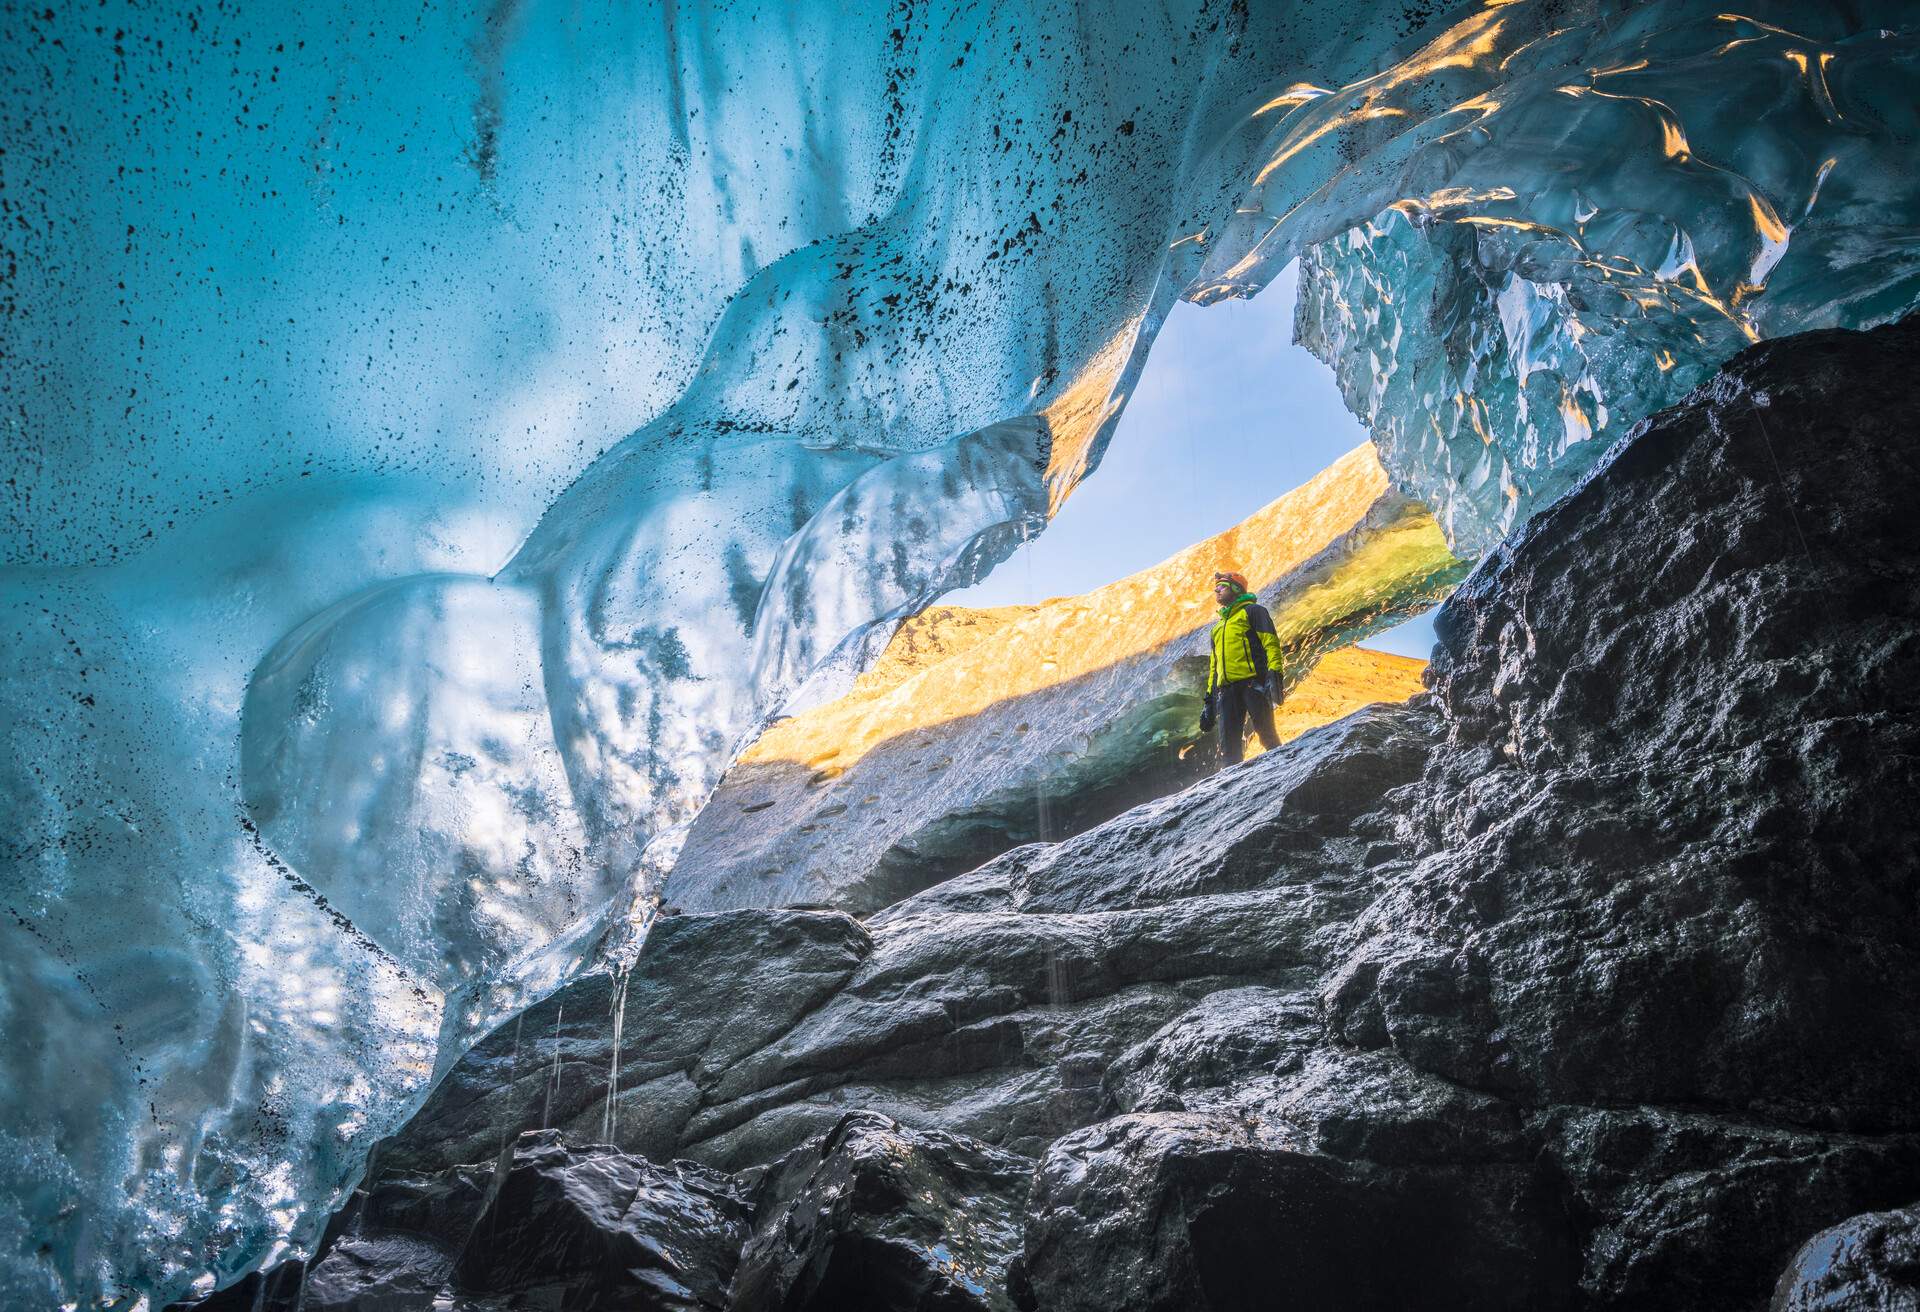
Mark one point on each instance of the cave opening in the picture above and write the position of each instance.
(1228, 413)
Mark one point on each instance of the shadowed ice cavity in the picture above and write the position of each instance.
(753, 327)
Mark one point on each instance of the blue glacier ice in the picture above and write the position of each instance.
(1609, 210)
(437, 438)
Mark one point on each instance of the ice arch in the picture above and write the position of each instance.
(435, 437)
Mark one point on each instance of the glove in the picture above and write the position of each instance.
(1206, 715)
(1276, 688)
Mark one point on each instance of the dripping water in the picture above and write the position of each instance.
(609, 1120)
(500, 1157)
(513, 1075)
(554, 1079)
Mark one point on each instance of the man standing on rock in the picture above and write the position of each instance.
(1243, 668)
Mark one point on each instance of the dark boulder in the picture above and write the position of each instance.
(1680, 1209)
(1168, 1212)
(378, 1273)
(390, 1249)
(875, 1217)
(551, 1225)
(1867, 1263)
(624, 1059)
(1673, 834)
(589, 1227)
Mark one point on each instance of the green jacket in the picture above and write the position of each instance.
(1243, 645)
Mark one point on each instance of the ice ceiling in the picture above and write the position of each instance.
(436, 437)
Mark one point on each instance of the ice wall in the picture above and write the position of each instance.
(437, 436)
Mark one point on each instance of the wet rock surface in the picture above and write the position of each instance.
(591, 1226)
(1586, 981)
(1867, 1263)
(743, 1033)
(552, 1224)
(1223, 1210)
(874, 1214)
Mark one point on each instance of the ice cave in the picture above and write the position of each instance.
(496, 815)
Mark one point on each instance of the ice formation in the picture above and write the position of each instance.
(1611, 206)
(437, 437)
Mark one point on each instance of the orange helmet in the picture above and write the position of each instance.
(1228, 576)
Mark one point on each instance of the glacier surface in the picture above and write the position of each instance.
(437, 438)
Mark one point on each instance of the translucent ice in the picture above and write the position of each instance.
(436, 439)
(1609, 202)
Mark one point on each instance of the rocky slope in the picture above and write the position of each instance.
(977, 731)
(1586, 981)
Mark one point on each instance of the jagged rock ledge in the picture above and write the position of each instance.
(1585, 981)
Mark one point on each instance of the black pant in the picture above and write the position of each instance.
(1234, 703)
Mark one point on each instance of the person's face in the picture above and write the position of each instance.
(1223, 591)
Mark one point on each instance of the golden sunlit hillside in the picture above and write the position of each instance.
(1342, 548)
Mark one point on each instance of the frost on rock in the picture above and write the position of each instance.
(437, 440)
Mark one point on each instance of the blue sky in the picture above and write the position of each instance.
(1228, 414)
